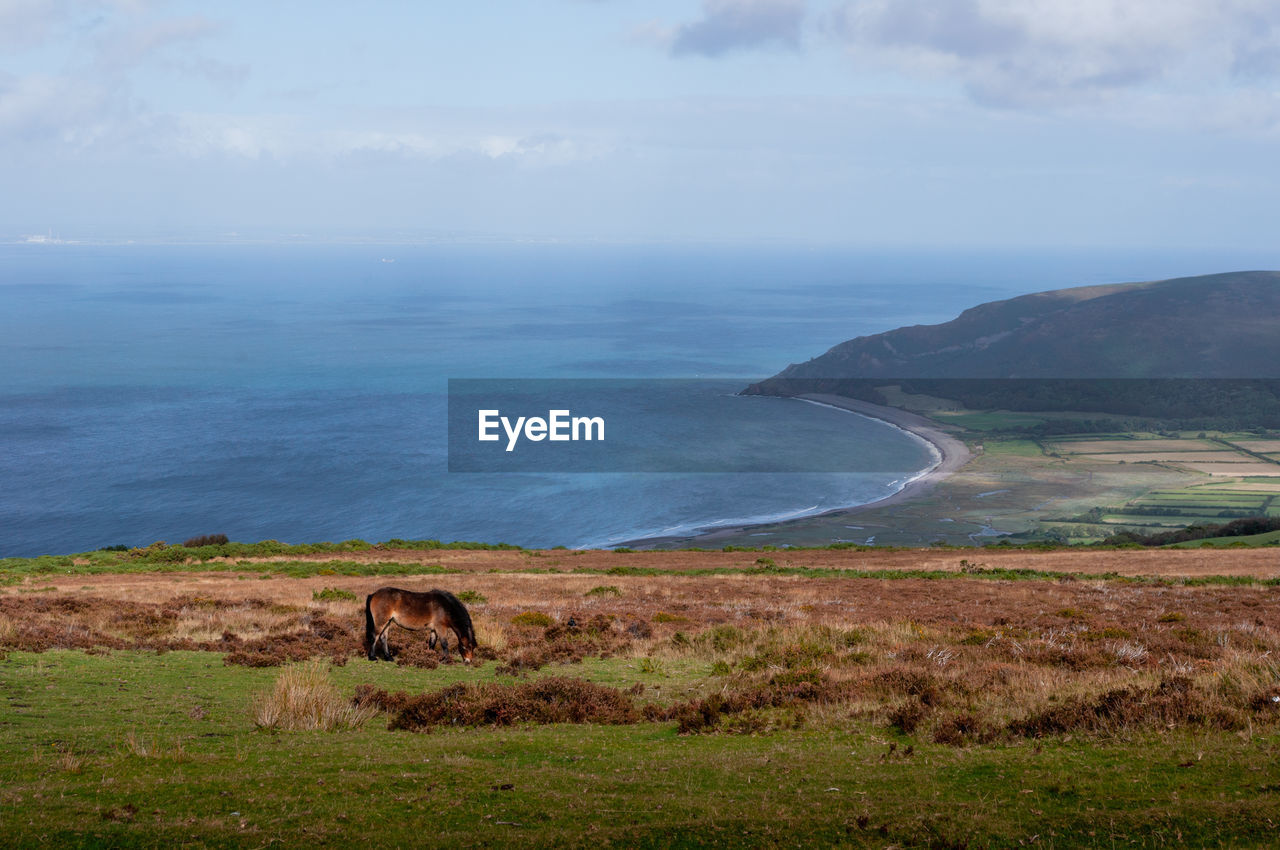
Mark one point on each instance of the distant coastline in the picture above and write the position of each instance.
(951, 453)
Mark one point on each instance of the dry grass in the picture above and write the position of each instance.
(304, 697)
(153, 746)
(958, 659)
(952, 682)
(64, 758)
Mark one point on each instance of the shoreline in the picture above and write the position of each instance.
(951, 453)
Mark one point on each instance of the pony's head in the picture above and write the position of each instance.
(468, 649)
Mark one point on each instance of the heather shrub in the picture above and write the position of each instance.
(533, 619)
(550, 700)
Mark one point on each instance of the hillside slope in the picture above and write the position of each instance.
(1212, 326)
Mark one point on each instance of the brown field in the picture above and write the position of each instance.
(1260, 446)
(1092, 447)
(1259, 563)
(964, 658)
(1236, 469)
(1175, 457)
(1239, 486)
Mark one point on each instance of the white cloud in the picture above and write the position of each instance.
(27, 23)
(728, 25)
(1047, 52)
(92, 100)
(62, 109)
(426, 137)
(125, 48)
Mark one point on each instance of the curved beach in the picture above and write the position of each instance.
(952, 454)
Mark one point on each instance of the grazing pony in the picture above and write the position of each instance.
(436, 610)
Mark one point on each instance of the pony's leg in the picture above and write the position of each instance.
(382, 638)
(431, 640)
(373, 635)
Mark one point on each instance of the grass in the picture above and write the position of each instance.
(304, 697)
(69, 777)
(793, 567)
(992, 421)
(330, 594)
(691, 708)
(1270, 538)
(15, 569)
(1013, 448)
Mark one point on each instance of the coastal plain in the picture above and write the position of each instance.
(994, 481)
(860, 698)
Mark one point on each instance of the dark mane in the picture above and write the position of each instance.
(459, 614)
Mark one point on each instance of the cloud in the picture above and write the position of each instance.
(126, 48)
(1020, 53)
(426, 137)
(66, 110)
(92, 100)
(26, 23)
(728, 25)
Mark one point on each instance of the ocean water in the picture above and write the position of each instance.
(299, 392)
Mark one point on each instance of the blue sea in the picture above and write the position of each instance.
(299, 392)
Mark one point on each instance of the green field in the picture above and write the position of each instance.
(1027, 487)
(1270, 538)
(140, 749)
(998, 420)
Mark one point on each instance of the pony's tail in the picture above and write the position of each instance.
(368, 626)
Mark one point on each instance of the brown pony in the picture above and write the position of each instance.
(436, 610)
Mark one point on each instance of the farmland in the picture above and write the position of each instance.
(1075, 489)
(1229, 477)
(857, 698)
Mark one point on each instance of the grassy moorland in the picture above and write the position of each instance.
(843, 698)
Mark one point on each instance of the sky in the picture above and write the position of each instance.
(899, 123)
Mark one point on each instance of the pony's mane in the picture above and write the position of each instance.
(458, 613)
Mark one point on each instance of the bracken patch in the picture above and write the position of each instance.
(568, 642)
(1173, 703)
(792, 689)
(551, 700)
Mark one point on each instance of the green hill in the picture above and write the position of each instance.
(1191, 353)
(1214, 326)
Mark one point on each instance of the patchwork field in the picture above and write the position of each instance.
(1104, 446)
(1174, 457)
(835, 698)
(1216, 457)
(1261, 446)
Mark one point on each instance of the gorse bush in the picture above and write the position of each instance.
(333, 594)
(205, 540)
